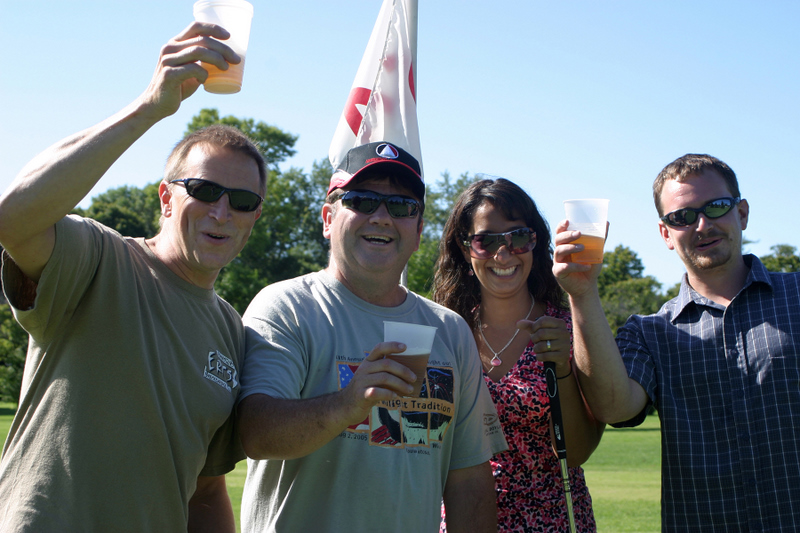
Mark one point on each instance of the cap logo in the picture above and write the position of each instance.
(387, 151)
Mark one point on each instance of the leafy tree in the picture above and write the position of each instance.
(782, 259)
(13, 344)
(421, 265)
(624, 290)
(286, 241)
(631, 296)
(274, 144)
(439, 201)
(131, 211)
(673, 291)
(620, 265)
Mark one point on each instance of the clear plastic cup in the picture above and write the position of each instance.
(235, 16)
(588, 216)
(418, 340)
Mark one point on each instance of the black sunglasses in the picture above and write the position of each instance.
(486, 245)
(688, 215)
(208, 191)
(368, 202)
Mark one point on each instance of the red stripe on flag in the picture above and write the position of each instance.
(359, 95)
(411, 85)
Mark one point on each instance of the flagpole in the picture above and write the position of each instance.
(413, 17)
(558, 430)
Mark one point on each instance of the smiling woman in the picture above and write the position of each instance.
(494, 269)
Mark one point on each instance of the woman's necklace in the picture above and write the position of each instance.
(496, 361)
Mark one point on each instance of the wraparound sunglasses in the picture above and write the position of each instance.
(688, 215)
(367, 202)
(486, 245)
(210, 192)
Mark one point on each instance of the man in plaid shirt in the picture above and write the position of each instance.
(719, 362)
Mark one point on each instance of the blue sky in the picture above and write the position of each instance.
(568, 99)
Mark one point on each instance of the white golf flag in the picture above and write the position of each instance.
(382, 103)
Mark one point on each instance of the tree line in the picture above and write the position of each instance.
(287, 241)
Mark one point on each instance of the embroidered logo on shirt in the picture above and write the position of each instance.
(220, 370)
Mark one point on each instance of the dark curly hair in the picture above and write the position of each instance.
(453, 287)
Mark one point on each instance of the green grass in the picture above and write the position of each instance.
(6, 415)
(623, 474)
(235, 482)
(624, 479)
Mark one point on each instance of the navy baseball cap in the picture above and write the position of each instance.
(389, 158)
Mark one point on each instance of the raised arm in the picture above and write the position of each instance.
(275, 428)
(53, 183)
(582, 432)
(611, 394)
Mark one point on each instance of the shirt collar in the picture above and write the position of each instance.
(758, 274)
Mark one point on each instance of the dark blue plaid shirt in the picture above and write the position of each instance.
(726, 383)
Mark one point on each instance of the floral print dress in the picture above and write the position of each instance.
(530, 492)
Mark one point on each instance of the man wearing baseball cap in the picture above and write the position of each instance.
(336, 442)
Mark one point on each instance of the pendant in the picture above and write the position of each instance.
(495, 361)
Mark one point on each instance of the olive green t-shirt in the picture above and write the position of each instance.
(129, 384)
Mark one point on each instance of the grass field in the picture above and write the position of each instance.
(6, 415)
(624, 477)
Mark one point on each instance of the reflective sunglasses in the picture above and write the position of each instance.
(367, 202)
(210, 192)
(486, 245)
(688, 215)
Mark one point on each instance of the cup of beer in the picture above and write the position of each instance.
(588, 216)
(418, 339)
(235, 16)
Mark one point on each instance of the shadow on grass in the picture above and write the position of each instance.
(7, 411)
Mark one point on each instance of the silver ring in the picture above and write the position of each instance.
(548, 345)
